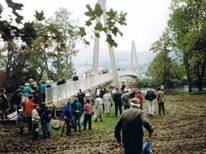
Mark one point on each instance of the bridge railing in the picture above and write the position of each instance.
(62, 92)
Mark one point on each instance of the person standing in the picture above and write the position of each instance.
(125, 100)
(28, 112)
(107, 98)
(67, 114)
(35, 122)
(43, 91)
(46, 117)
(130, 124)
(77, 106)
(99, 108)
(80, 96)
(150, 96)
(160, 100)
(20, 121)
(88, 114)
(139, 95)
(123, 87)
(24, 99)
(16, 98)
(117, 102)
(27, 90)
(3, 103)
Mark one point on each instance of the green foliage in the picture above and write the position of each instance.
(40, 16)
(145, 82)
(189, 26)
(165, 66)
(111, 26)
(53, 40)
(15, 7)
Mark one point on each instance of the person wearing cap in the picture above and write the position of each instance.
(131, 124)
(20, 121)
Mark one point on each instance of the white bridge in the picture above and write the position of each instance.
(61, 93)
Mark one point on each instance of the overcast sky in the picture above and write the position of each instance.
(146, 19)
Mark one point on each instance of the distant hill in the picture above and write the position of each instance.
(83, 60)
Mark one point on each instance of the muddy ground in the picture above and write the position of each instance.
(182, 130)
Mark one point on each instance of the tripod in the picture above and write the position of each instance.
(63, 128)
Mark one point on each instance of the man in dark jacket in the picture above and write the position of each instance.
(118, 102)
(67, 114)
(130, 123)
(16, 98)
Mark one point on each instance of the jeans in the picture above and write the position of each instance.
(118, 107)
(35, 131)
(77, 123)
(88, 118)
(161, 107)
(46, 128)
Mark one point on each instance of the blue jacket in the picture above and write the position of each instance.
(67, 114)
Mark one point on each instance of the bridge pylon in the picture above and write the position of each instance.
(97, 48)
(134, 65)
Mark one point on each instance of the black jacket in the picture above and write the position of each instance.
(130, 123)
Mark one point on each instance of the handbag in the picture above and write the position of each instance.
(147, 148)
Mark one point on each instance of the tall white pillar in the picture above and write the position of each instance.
(134, 65)
(111, 51)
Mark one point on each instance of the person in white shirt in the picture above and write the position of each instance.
(108, 102)
(99, 108)
(35, 122)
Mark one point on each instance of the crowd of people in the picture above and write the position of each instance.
(80, 110)
(28, 100)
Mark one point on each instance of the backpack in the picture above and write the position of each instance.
(47, 115)
(150, 95)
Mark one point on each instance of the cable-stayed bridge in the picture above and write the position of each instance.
(60, 93)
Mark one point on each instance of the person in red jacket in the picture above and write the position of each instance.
(28, 110)
(139, 95)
